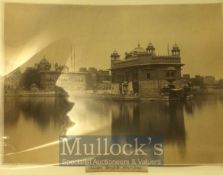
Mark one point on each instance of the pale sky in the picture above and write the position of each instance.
(32, 31)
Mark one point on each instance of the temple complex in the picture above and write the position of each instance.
(143, 73)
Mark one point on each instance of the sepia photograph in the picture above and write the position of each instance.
(125, 74)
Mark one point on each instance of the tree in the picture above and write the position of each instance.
(29, 77)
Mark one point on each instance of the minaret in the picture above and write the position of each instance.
(168, 49)
(175, 50)
(115, 56)
(150, 49)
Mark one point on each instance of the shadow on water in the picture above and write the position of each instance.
(42, 111)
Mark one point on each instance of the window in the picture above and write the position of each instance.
(148, 75)
(170, 74)
(167, 74)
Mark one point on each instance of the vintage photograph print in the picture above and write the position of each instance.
(113, 85)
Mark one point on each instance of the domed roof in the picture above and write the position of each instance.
(44, 61)
(139, 49)
(150, 46)
(176, 47)
(44, 65)
(115, 54)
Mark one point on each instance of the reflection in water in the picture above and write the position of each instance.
(149, 118)
(190, 129)
(41, 111)
(33, 121)
(161, 119)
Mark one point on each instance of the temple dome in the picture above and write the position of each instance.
(139, 49)
(44, 65)
(115, 55)
(150, 47)
(44, 61)
(176, 47)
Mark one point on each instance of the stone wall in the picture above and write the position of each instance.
(73, 81)
(151, 88)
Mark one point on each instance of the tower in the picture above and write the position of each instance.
(115, 56)
(150, 49)
(175, 50)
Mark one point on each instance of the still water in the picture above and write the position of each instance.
(192, 130)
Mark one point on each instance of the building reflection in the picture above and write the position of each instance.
(33, 121)
(189, 107)
(30, 122)
(161, 119)
(42, 111)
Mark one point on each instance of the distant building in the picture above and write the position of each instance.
(198, 81)
(75, 81)
(12, 80)
(92, 70)
(83, 69)
(48, 79)
(60, 75)
(143, 72)
(220, 83)
(209, 81)
(186, 77)
(43, 65)
(71, 80)
(99, 78)
(103, 75)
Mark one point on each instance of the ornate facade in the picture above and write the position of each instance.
(143, 72)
